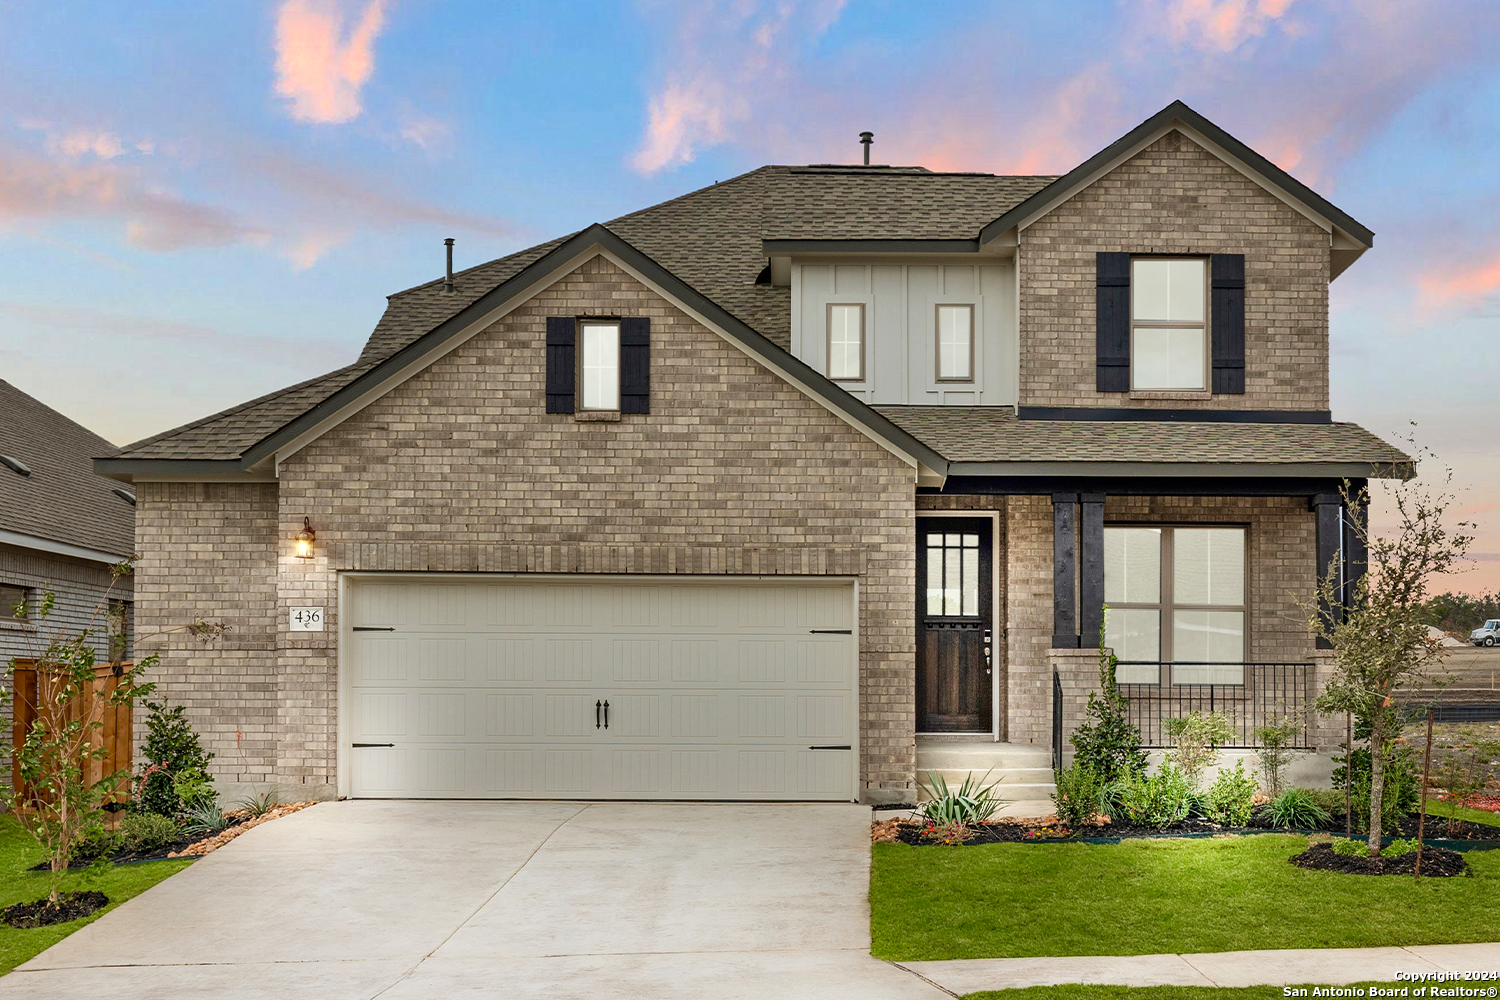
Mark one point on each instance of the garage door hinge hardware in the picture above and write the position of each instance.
(374, 628)
(846, 746)
(830, 631)
(358, 745)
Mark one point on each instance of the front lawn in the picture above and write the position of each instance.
(19, 852)
(1149, 896)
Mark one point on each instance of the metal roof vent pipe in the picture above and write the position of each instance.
(448, 281)
(865, 140)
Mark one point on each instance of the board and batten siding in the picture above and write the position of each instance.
(901, 303)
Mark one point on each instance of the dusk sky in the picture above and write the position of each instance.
(202, 203)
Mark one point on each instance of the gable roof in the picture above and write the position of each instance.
(62, 501)
(1179, 115)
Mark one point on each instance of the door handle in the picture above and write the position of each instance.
(606, 713)
(988, 659)
(358, 745)
(596, 713)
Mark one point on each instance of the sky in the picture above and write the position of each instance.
(203, 203)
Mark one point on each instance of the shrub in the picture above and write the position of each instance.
(1298, 809)
(1079, 796)
(1196, 739)
(142, 832)
(204, 820)
(1275, 751)
(1351, 848)
(1159, 800)
(1401, 773)
(174, 757)
(1398, 847)
(1231, 798)
(970, 803)
(1107, 743)
(257, 806)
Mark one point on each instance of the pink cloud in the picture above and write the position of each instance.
(1219, 25)
(1451, 285)
(721, 54)
(320, 67)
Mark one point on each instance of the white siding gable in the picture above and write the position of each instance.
(900, 303)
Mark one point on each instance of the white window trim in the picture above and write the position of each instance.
(581, 323)
(1206, 389)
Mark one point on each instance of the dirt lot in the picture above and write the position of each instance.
(1474, 673)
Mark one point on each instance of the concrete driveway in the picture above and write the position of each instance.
(407, 900)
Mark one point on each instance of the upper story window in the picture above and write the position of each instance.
(1168, 323)
(846, 342)
(14, 599)
(599, 367)
(1176, 599)
(955, 343)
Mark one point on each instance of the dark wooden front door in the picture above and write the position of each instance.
(954, 626)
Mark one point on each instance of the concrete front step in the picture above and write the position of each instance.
(1022, 775)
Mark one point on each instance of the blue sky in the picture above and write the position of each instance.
(199, 204)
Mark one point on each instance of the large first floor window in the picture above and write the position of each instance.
(1176, 600)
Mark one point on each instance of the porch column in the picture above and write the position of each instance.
(1091, 569)
(1327, 507)
(1065, 571)
(1356, 554)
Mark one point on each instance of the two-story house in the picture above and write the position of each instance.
(749, 494)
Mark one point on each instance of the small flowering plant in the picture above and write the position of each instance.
(1058, 832)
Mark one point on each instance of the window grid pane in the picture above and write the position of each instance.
(955, 341)
(1167, 358)
(1208, 566)
(845, 336)
(953, 583)
(601, 366)
(1167, 290)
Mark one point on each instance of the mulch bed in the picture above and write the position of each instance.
(43, 913)
(1436, 861)
(185, 847)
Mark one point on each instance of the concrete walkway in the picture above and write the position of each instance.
(1324, 966)
(416, 900)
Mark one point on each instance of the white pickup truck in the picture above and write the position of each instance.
(1487, 634)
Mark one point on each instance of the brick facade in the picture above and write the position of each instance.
(1174, 197)
(460, 469)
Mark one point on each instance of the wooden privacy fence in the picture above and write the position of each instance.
(114, 737)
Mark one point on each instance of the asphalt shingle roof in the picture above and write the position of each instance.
(62, 500)
(996, 434)
(710, 238)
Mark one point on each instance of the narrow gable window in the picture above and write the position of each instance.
(1168, 330)
(599, 371)
(955, 343)
(846, 343)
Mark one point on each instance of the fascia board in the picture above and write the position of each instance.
(167, 470)
(51, 547)
(1284, 470)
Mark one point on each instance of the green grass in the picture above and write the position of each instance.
(1143, 897)
(19, 852)
(1074, 991)
(1439, 811)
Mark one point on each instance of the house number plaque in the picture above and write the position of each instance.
(307, 619)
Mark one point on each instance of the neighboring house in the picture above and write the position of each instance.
(61, 529)
(735, 496)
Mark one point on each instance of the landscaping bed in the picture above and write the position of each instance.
(1436, 862)
(185, 846)
(45, 913)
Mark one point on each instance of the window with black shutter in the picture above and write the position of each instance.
(1228, 310)
(562, 364)
(635, 365)
(598, 366)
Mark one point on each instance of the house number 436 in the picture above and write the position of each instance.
(307, 619)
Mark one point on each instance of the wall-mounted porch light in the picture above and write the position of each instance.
(305, 539)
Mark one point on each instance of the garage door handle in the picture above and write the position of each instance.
(844, 747)
(830, 631)
(374, 628)
(596, 713)
(606, 713)
(358, 745)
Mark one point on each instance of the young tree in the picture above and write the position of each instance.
(57, 801)
(1380, 641)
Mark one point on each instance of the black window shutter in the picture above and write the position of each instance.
(635, 365)
(1112, 322)
(1227, 302)
(561, 365)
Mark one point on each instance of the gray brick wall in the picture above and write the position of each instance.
(733, 471)
(1174, 197)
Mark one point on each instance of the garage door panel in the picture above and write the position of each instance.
(489, 689)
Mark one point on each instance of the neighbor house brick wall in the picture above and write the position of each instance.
(733, 471)
(208, 551)
(1282, 561)
(80, 590)
(1174, 197)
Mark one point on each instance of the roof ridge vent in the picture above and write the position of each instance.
(15, 465)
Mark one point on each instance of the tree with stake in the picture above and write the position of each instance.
(1380, 641)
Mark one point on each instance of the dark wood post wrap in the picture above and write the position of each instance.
(1327, 507)
(635, 364)
(1227, 311)
(562, 368)
(1112, 322)
(1065, 571)
(1356, 554)
(1090, 568)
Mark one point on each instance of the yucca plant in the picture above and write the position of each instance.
(971, 802)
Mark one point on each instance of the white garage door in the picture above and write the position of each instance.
(689, 688)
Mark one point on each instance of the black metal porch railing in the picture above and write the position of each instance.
(1271, 692)
(1057, 722)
